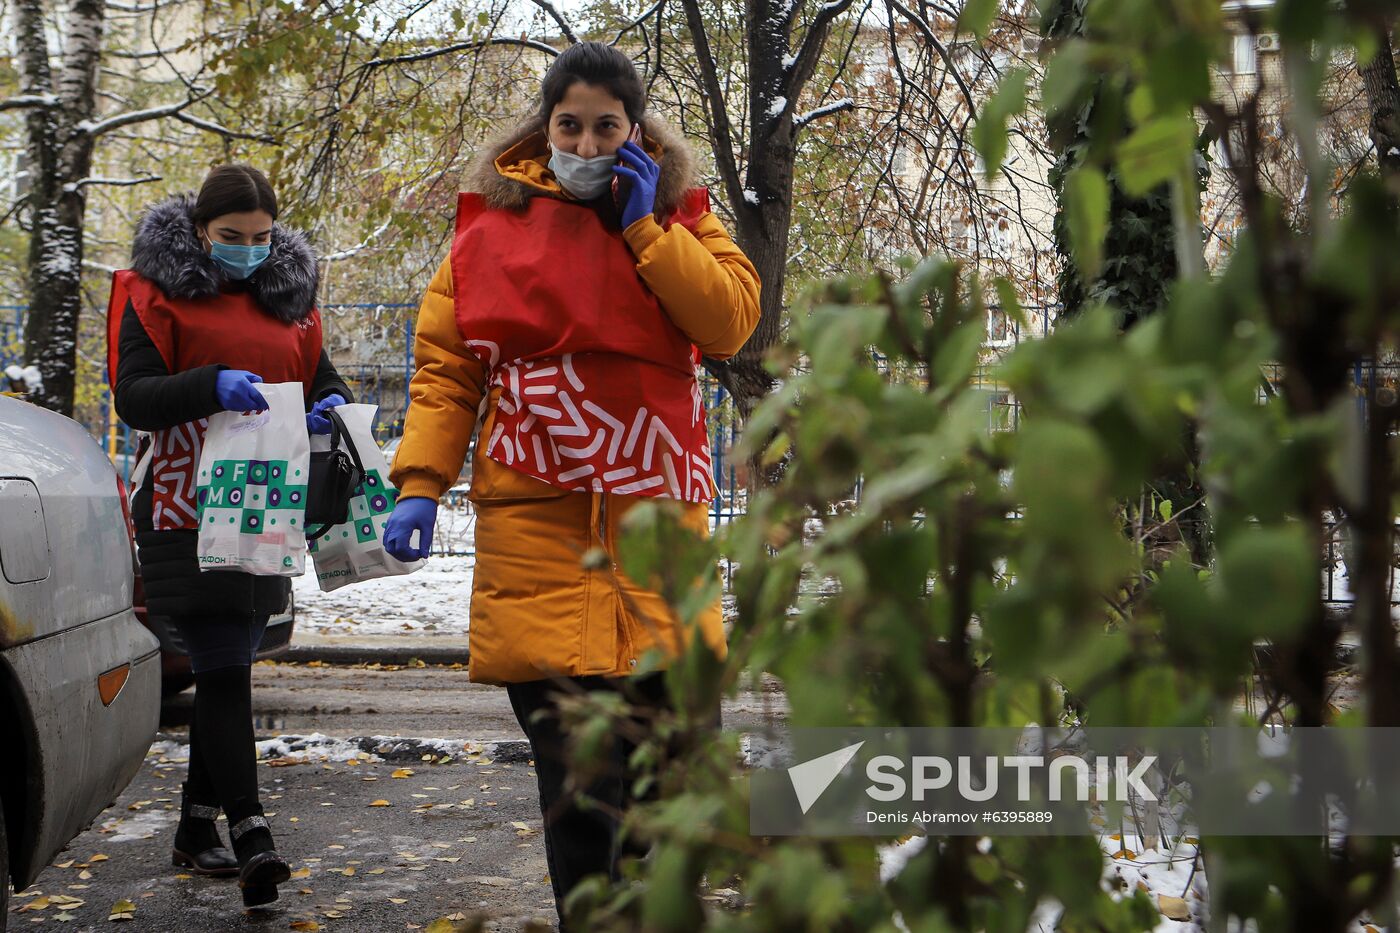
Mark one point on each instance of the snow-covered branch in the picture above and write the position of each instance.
(212, 127)
(28, 101)
(112, 182)
(131, 7)
(339, 255)
(134, 116)
(825, 110)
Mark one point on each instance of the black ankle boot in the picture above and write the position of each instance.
(197, 843)
(260, 868)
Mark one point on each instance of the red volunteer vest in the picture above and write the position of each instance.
(598, 387)
(230, 329)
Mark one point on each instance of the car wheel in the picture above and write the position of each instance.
(172, 684)
(4, 872)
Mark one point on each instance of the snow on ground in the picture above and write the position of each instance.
(433, 601)
(313, 747)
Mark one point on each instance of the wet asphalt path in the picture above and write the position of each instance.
(377, 846)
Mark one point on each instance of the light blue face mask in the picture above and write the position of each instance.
(238, 262)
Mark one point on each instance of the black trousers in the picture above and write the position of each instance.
(585, 839)
(215, 641)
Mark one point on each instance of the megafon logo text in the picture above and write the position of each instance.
(931, 773)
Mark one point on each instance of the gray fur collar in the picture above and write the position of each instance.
(167, 251)
(675, 158)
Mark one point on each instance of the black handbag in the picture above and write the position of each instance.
(332, 479)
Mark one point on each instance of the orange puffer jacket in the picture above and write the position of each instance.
(536, 610)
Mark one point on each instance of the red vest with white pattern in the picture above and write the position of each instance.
(230, 329)
(598, 388)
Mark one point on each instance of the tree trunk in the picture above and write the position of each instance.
(762, 200)
(1374, 521)
(1383, 95)
(59, 148)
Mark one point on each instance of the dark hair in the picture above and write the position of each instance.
(598, 64)
(234, 189)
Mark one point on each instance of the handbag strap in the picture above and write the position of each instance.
(339, 431)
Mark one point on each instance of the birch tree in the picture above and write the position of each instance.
(67, 114)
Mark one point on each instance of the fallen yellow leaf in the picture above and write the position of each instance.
(99, 857)
(348, 871)
(381, 803)
(398, 900)
(305, 925)
(301, 873)
(402, 773)
(1173, 908)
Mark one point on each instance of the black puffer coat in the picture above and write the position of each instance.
(149, 397)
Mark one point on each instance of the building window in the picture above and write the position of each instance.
(998, 327)
(1244, 55)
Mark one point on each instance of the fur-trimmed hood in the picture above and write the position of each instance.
(513, 167)
(167, 251)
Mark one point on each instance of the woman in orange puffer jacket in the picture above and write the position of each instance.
(585, 279)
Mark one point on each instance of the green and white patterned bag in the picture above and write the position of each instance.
(251, 487)
(354, 550)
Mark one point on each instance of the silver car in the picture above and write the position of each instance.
(79, 676)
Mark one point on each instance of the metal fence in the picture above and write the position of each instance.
(11, 333)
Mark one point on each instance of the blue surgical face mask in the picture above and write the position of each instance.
(585, 179)
(238, 262)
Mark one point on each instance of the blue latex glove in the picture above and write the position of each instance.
(416, 513)
(235, 391)
(316, 420)
(642, 172)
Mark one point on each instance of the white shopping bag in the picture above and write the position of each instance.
(354, 550)
(252, 487)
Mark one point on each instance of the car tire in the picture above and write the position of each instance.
(4, 872)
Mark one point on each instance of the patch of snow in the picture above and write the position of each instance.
(432, 601)
(778, 105)
(139, 826)
(894, 857)
(314, 747)
(751, 197)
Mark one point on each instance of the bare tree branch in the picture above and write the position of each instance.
(804, 63)
(555, 15)
(938, 47)
(655, 8)
(720, 134)
(462, 47)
